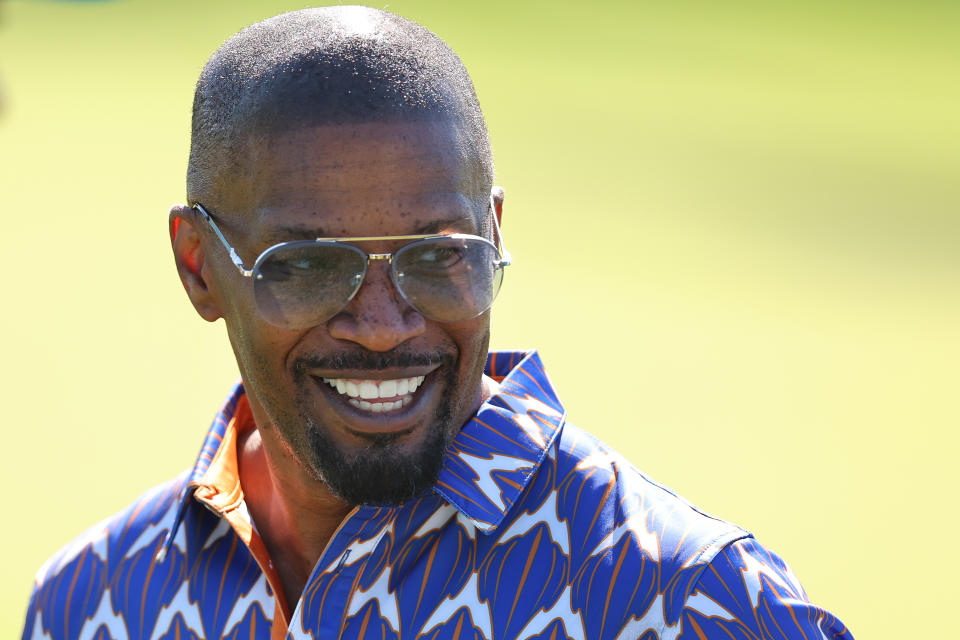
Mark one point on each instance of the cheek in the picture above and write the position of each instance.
(262, 352)
(472, 343)
(472, 338)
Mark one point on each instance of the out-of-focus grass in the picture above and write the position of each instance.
(735, 229)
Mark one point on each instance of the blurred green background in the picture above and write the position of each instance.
(735, 227)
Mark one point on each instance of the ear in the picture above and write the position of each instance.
(190, 256)
(497, 193)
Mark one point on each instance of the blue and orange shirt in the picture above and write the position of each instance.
(533, 530)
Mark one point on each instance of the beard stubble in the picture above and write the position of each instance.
(382, 472)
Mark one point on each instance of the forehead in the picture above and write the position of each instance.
(366, 179)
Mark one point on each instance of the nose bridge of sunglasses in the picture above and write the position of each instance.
(384, 273)
(387, 260)
(380, 281)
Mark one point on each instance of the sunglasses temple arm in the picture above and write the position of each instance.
(505, 256)
(237, 261)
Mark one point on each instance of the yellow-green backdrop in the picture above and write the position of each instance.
(735, 227)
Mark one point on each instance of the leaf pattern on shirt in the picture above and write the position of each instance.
(535, 530)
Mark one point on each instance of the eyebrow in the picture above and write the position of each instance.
(452, 223)
(284, 233)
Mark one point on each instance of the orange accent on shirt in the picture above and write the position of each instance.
(220, 488)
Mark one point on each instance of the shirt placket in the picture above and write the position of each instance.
(240, 523)
(324, 604)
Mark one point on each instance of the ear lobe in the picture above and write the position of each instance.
(497, 193)
(190, 257)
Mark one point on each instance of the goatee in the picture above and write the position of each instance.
(385, 472)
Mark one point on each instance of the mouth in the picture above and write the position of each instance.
(376, 396)
(395, 402)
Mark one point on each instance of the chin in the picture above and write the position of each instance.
(390, 470)
(387, 468)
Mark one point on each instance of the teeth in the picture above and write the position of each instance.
(388, 388)
(380, 407)
(360, 392)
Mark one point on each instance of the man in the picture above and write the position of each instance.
(378, 474)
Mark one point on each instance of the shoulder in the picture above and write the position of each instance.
(749, 591)
(623, 544)
(642, 558)
(601, 487)
(69, 589)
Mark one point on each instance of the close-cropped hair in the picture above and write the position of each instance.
(328, 66)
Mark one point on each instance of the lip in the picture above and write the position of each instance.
(365, 423)
(374, 374)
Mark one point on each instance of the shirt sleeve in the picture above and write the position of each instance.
(749, 593)
(31, 617)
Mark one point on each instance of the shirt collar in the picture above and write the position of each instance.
(488, 464)
(493, 458)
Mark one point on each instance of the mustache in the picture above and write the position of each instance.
(372, 360)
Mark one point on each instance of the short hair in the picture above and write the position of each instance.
(327, 65)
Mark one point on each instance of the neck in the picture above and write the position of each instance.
(295, 513)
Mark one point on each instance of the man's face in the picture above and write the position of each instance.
(373, 179)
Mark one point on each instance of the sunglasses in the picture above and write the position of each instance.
(300, 284)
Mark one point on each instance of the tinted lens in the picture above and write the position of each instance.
(298, 285)
(449, 279)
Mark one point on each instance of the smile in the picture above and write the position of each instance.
(376, 396)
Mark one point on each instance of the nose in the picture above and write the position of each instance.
(377, 318)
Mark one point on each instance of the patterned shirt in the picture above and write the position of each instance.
(533, 530)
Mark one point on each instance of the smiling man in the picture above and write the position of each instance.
(378, 473)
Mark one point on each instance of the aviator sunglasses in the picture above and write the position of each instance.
(300, 284)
